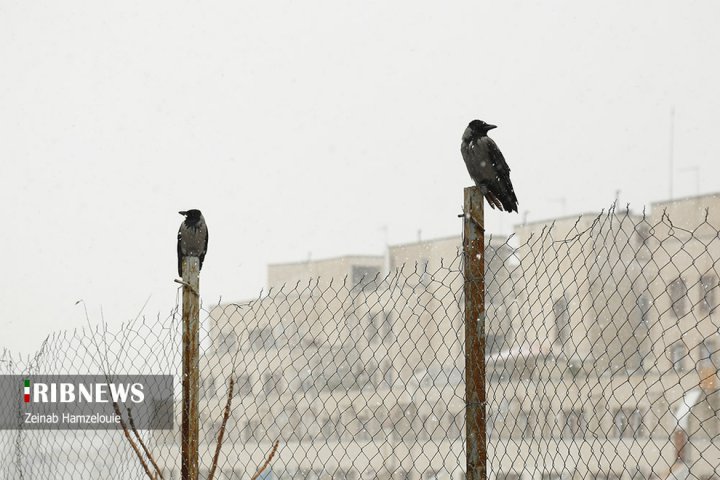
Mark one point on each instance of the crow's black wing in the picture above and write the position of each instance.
(502, 186)
(479, 165)
(179, 252)
(202, 255)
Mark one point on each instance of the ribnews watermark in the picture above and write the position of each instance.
(86, 402)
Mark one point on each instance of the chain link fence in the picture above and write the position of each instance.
(601, 362)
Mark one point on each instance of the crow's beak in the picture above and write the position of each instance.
(182, 213)
(490, 127)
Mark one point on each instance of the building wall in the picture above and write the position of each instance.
(583, 366)
(352, 267)
(615, 381)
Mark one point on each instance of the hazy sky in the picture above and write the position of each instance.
(304, 127)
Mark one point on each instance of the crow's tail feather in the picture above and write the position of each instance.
(493, 201)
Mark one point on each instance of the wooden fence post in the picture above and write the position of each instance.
(474, 288)
(190, 368)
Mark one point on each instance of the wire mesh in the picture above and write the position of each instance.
(601, 362)
(607, 365)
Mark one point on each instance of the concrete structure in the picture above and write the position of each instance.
(620, 341)
(355, 368)
(602, 356)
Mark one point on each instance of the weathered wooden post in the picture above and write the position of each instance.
(474, 276)
(190, 367)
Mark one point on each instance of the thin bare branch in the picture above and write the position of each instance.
(132, 443)
(144, 447)
(221, 431)
(267, 462)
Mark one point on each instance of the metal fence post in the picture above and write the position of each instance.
(190, 367)
(474, 288)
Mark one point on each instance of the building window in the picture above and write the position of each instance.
(372, 331)
(575, 426)
(243, 385)
(643, 233)
(360, 375)
(644, 303)
(708, 290)
(636, 423)
(678, 354)
(637, 474)
(386, 330)
(490, 423)
(678, 297)
(388, 373)
(494, 343)
(628, 423)
(364, 276)
(423, 272)
(641, 326)
(621, 423)
(226, 342)
(209, 387)
(262, 338)
(708, 349)
(528, 424)
(502, 425)
(273, 383)
(562, 320)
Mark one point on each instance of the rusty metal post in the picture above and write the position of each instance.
(190, 368)
(474, 275)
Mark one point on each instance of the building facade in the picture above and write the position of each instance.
(602, 354)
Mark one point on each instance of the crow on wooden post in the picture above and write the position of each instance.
(191, 249)
(192, 240)
(487, 166)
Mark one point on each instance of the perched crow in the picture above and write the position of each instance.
(487, 166)
(192, 238)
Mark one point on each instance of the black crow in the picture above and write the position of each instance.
(487, 167)
(192, 238)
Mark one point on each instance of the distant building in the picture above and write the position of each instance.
(602, 354)
(619, 352)
(335, 358)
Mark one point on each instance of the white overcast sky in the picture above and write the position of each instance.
(301, 127)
